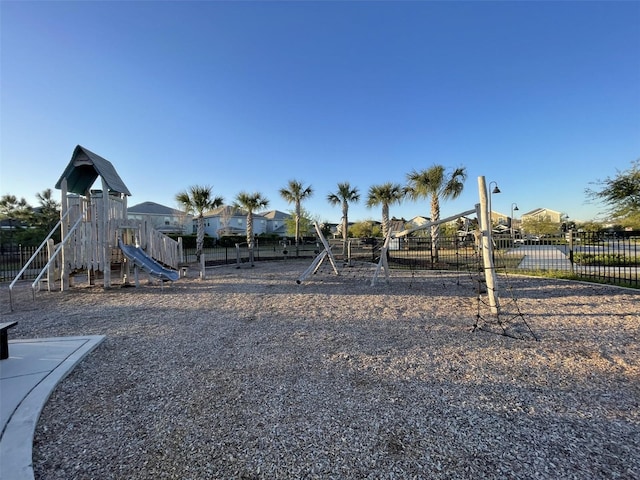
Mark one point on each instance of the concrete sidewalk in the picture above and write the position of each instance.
(27, 379)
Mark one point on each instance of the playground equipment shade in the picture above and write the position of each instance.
(140, 258)
(83, 170)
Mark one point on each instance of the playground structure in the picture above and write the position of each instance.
(94, 226)
(483, 236)
(140, 259)
(484, 240)
(321, 257)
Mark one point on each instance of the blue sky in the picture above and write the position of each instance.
(541, 97)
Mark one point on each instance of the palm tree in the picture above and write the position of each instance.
(434, 182)
(294, 193)
(197, 200)
(251, 202)
(343, 196)
(385, 195)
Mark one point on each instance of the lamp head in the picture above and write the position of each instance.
(495, 189)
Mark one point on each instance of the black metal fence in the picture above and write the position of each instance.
(603, 257)
(219, 255)
(12, 260)
(609, 257)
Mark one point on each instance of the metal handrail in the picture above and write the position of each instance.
(26, 265)
(55, 253)
(46, 267)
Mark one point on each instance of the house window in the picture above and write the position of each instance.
(239, 221)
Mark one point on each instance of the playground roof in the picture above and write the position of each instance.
(83, 170)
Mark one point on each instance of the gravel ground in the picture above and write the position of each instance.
(248, 375)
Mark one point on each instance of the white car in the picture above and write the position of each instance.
(527, 240)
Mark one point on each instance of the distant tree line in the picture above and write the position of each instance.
(23, 224)
(28, 225)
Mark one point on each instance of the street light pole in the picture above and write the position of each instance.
(495, 190)
(514, 207)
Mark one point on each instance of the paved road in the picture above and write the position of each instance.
(538, 257)
(553, 257)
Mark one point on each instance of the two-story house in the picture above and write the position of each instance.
(543, 214)
(228, 220)
(276, 222)
(164, 219)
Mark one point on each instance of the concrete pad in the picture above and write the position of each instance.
(27, 378)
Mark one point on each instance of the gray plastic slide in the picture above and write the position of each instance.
(140, 258)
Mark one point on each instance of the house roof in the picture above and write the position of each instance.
(419, 220)
(226, 211)
(539, 211)
(83, 170)
(275, 215)
(152, 208)
(396, 225)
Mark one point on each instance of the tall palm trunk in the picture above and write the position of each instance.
(435, 229)
(345, 228)
(250, 229)
(385, 220)
(199, 237)
(298, 213)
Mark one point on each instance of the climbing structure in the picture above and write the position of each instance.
(94, 221)
(90, 218)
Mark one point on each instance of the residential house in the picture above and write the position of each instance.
(500, 222)
(543, 213)
(229, 220)
(164, 219)
(223, 221)
(276, 222)
(419, 221)
(546, 216)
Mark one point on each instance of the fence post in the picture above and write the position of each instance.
(571, 249)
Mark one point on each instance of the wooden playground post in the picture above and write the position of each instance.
(64, 229)
(487, 247)
(104, 240)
